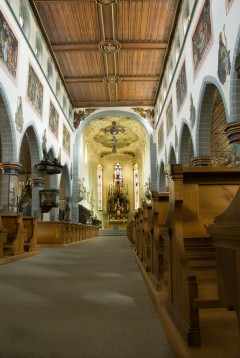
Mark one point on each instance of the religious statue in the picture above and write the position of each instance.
(19, 115)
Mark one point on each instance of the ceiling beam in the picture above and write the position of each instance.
(124, 46)
(100, 79)
(94, 104)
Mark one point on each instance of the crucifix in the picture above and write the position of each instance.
(114, 131)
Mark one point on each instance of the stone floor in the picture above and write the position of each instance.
(88, 300)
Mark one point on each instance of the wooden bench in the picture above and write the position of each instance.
(30, 224)
(3, 236)
(196, 197)
(60, 233)
(131, 232)
(159, 213)
(16, 234)
(225, 232)
(51, 233)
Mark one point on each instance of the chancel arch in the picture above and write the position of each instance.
(133, 142)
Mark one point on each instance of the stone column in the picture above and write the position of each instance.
(9, 197)
(232, 131)
(37, 184)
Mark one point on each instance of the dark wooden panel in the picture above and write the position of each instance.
(89, 91)
(140, 62)
(70, 21)
(80, 63)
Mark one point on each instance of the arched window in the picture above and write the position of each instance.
(185, 16)
(58, 89)
(99, 184)
(177, 46)
(70, 115)
(170, 68)
(136, 186)
(24, 18)
(64, 104)
(38, 48)
(49, 71)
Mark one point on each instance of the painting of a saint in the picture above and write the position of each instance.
(66, 140)
(224, 64)
(202, 36)
(192, 112)
(160, 138)
(53, 120)
(35, 90)
(8, 47)
(169, 117)
(181, 87)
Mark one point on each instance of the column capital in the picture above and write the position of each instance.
(38, 183)
(202, 161)
(232, 131)
(10, 168)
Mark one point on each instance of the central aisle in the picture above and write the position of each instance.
(88, 300)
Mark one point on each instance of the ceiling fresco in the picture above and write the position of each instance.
(129, 146)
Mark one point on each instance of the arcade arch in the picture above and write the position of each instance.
(212, 141)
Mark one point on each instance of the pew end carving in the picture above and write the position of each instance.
(196, 197)
(30, 224)
(16, 234)
(225, 232)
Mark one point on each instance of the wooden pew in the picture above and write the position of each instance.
(160, 208)
(16, 234)
(225, 232)
(51, 233)
(131, 232)
(139, 233)
(146, 224)
(3, 236)
(196, 197)
(30, 224)
(60, 233)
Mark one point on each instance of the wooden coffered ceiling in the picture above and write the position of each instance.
(109, 53)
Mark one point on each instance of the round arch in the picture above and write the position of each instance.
(204, 114)
(172, 155)
(235, 86)
(162, 178)
(7, 129)
(186, 150)
(102, 114)
(34, 145)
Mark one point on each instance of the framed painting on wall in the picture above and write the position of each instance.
(8, 47)
(160, 138)
(169, 117)
(53, 120)
(66, 140)
(202, 37)
(181, 87)
(35, 90)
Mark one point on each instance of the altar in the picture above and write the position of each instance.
(117, 203)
